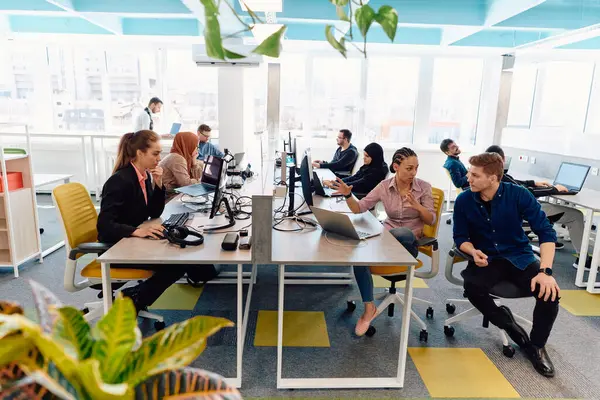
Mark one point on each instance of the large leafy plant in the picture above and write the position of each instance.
(62, 356)
(354, 13)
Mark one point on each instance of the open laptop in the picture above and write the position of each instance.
(175, 128)
(572, 176)
(341, 224)
(322, 190)
(211, 177)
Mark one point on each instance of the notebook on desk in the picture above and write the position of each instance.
(572, 176)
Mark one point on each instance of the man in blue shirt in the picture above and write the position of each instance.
(206, 148)
(455, 167)
(488, 226)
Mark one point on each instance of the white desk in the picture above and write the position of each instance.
(310, 248)
(49, 179)
(589, 200)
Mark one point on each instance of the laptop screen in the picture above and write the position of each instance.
(175, 128)
(572, 176)
(212, 170)
(507, 161)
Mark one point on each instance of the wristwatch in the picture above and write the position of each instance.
(547, 271)
(347, 196)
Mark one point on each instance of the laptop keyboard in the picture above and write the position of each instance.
(362, 235)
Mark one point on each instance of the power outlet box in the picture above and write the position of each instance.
(532, 160)
(595, 171)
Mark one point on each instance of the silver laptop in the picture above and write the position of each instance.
(175, 128)
(572, 176)
(341, 224)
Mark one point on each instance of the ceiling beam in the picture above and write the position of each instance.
(498, 11)
(111, 23)
(562, 39)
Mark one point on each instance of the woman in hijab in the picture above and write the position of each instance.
(180, 167)
(373, 171)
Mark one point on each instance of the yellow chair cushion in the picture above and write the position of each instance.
(92, 270)
(392, 270)
(427, 250)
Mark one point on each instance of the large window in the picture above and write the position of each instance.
(293, 100)
(521, 95)
(16, 85)
(564, 93)
(335, 95)
(192, 92)
(592, 124)
(392, 85)
(455, 99)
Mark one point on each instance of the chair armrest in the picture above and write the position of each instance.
(428, 241)
(450, 266)
(88, 248)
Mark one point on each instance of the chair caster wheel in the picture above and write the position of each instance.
(429, 313)
(449, 222)
(85, 310)
(159, 325)
(41, 231)
(371, 331)
(508, 351)
(350, 306)
(449, 331)
(450, 308)
(423, 336)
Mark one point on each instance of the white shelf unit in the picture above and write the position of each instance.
(19, 228)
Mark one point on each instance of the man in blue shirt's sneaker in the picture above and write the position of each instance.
(488, 222)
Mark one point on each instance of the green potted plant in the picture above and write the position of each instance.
(62, 357)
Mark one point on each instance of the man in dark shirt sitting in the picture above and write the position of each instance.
(455, 167)
(344, 158)
(488, 226)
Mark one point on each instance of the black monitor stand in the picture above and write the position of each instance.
(291, 189)
(230, 216)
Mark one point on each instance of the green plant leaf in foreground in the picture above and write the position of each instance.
(188, 383)
(339, 46)
(46, 305)
(73, 328)
(271, 46)
(230, 55)
(91, 378)
(37, 383)
(171, 348)
(387, 17)
(115, 336)
(341, 13)
(364, 18)
(340, 3)
(212, 30)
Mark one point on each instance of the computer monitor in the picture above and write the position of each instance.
(308, 156)
(305, 179)
(213, 169)
(221, 181)
(175, 128)
(507, 161)
(572, 176)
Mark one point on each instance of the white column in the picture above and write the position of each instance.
(273, 108)
(423, 102)
(42, 91)
(236, 113)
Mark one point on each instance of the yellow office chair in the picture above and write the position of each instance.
(450, 187)
(79, 218)
(428, 245)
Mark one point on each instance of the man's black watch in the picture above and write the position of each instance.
(347, 196)
(547, 271)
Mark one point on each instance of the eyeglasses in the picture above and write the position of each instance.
(206, 135)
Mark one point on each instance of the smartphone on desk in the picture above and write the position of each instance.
(245, 242)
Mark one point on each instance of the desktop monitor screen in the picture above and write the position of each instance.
(572, 176)
(309, 161)
(213, 169)
(175, 128)
(305, 179)
(507, 161)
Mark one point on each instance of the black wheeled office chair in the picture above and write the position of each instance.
(503, 290)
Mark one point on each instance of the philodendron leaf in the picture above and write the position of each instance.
(340, 3)
(189, 383)
(46, 304)
(271, 46)
(212, 30)
(230, 55)
(341, 13)
(364, 16)
(387, 17)
(115, 336)
(73, 328)
(89, 371)
(339, 46)
(171, 348)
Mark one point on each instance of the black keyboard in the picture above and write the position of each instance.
(176, 220)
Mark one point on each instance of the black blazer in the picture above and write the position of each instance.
(123, 207)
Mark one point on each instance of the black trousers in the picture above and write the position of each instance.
(479, 281)
(164, 276)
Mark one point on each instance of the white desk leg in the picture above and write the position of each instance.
(583, 252)
(403, 355)
(106, 287)
(248, 300)
(240, 325)
(280, 304)
(591, 282)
